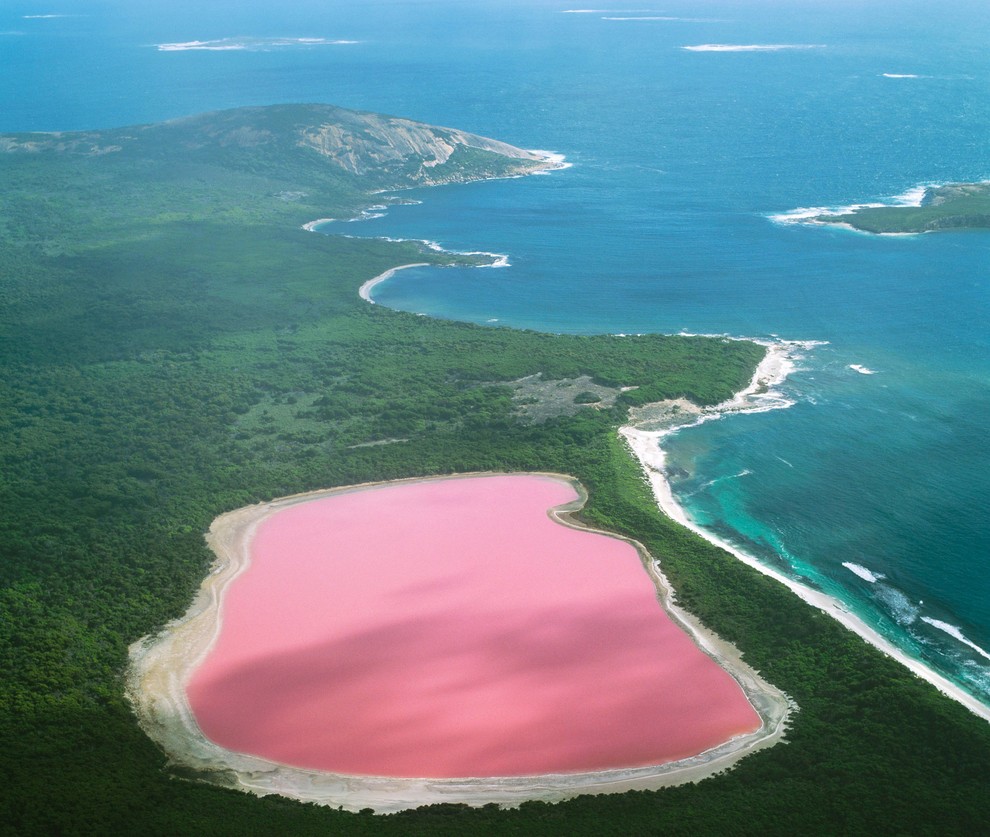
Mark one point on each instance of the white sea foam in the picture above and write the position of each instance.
(811, 214)
(929, 77)
(249, 44)
(762, 394)
(369, 214)
(913, 196)
(863, 370)
(955, 633)
(802, 215)
(500, 260)
(743, 473)
(212, 46)
(497, 259)
(667, 18)
(45, 17)
(749, 47)
(557, 160)
(646, 447)
(904, 611)
(862, 572)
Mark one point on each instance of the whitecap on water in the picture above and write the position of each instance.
(899, 605)
(863, 572)
(249, 44)
(955, 633)
(749, 47)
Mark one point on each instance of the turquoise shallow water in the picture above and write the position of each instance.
(663, 224)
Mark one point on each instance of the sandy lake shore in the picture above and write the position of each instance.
(161, 666)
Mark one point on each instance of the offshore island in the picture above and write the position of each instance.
(952, 206)
(177, 346)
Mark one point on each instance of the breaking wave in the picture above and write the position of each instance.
(749, 47)
(900, 606)
(812, 214)
(862, 572)
(249, 44)
(955, 633)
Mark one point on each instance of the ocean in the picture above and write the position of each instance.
(690, 127)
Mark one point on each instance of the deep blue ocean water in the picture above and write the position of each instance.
(663, 224)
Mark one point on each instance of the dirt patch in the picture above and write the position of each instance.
(664, 415)
(536, 400)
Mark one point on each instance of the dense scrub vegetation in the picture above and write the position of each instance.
(166, 360)
(955, 206)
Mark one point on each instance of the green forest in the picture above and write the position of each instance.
(174, 345)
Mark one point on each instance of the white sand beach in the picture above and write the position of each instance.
(365, 290)
(646, 445)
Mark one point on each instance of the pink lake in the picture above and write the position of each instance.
(451, 628)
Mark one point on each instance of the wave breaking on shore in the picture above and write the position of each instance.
(814, 215)
(650, 425)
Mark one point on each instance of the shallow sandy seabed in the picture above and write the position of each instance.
(644, 436)
(161, 666)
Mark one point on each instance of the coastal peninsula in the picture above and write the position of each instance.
(177, 346)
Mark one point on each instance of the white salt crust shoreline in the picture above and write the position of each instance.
(645, 445)
(161, 665)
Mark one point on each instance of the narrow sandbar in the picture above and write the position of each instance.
(164, 667)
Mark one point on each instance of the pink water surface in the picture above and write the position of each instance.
(452, 629)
